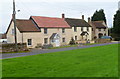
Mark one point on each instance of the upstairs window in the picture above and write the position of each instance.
(45, 30)
(99, 29)
(63, 30)
(75, 29)
(12, 31)
(81, 28)
(87, 28)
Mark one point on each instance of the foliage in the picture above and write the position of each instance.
(101, 61)
(47, 46)
(116, 24)
(99, 16)
(72, 42)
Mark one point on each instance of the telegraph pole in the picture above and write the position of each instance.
(14, 20)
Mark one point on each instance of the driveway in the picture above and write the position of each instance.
(40, 51)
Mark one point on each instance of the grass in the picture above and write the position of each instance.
(101, 61)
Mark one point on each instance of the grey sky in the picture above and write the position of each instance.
(54, 8)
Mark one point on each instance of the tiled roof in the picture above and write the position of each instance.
(26, 26)
(99, 24)
(49, 22)
(77, 22)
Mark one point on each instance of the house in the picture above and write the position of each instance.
(39, 30)
(81, 30)
(3, 38)
(99, 29)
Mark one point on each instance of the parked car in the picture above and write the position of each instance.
(106, 37)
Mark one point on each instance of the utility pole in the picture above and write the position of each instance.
(14, 20)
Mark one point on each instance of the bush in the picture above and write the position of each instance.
(47, 46)
(117, 39)
(72, 42)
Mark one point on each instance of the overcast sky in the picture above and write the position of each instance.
(54, 8)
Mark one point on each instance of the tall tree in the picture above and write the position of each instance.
(116, 24)
(99, 16)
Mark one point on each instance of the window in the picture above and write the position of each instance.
(104, 29)
(92, 29)
(45, 30)
(81, 28)
(75, 29)
(45, 40)
(29, 41)
(105, 34)
(75, 37)
(99, 29)
(13, 32)
(87, 28)
(53, 40)
(63, 30)
(63, 39)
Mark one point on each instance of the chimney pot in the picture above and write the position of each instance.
(83, 17)
(63, 15)
(89, 19)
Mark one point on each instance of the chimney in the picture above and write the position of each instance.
(89, 20)
(83, 17)
(63, 15)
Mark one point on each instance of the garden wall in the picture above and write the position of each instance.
(102, 41)
(10, 47)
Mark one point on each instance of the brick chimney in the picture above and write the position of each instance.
(63, 15)
(83, 17)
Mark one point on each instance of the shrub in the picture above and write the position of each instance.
(117, 39)
(47, 46)
(72, 42)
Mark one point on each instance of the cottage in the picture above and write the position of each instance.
(39, 30)
(81, 30)
(99, 29)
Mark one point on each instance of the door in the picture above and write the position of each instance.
(57, 42)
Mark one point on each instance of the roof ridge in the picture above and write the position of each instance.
(23, 19)
(47, 17)
(74, 18)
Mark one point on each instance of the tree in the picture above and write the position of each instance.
(99, 16)
(116, 24)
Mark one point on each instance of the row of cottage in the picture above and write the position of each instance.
(39, 30)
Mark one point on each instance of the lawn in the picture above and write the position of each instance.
(101, 61)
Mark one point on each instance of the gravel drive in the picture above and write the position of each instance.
(40, 51)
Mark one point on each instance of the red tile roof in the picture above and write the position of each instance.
(26, 26)
(49, 22)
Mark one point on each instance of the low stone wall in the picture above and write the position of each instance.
(10, 47)
(102, 40)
